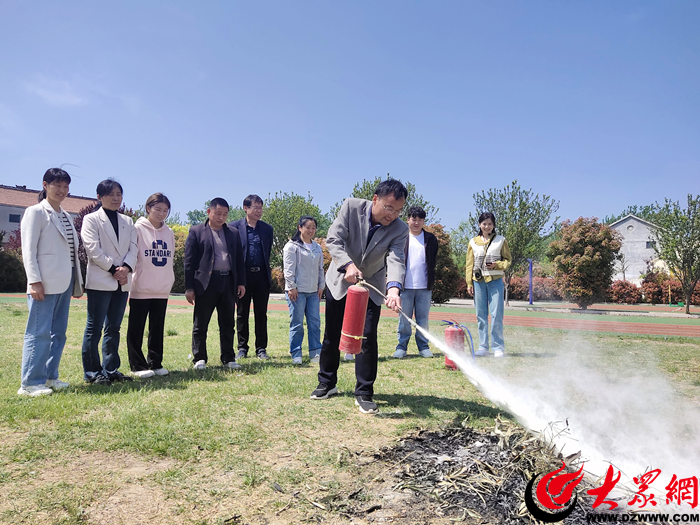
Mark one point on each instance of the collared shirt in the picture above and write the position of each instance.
(255, 253)
(222, 259)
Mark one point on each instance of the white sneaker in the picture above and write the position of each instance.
(34, 391)
(349, 357)
(232, 365)
(315, 360)
(55, 384)
(143, 374)
(481, 352)
(296, 360)
(161, 371)
(200, 365)
(498, 353)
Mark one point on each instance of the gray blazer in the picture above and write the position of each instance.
(347, 242)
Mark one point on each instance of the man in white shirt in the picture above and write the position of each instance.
(421, 258)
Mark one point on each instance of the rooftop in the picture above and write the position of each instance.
(22, 197)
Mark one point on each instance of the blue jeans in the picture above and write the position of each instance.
(45, 337)
(306, 303)
(488, 298)
(104, 309)
(417, 301)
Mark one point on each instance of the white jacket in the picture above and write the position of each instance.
(46, 252)
(104, 250)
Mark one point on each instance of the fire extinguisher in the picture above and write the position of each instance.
(454, 337)
(353, 329)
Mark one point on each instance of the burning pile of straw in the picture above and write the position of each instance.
(463, 474)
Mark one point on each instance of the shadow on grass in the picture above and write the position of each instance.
(416, 406)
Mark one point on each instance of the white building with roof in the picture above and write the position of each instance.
(637, 248)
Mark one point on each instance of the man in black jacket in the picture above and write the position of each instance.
(256, 238)
(214, 278)
(421, 259)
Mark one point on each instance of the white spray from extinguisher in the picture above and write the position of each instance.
(489, 386)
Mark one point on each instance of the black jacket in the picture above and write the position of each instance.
(199, 258)
(431, 250)
(265, 233)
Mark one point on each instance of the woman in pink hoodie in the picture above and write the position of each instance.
(150, 288)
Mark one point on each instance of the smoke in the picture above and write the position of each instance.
(615, 410)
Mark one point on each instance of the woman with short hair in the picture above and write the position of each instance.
(304, 283)
(488, 256)
(110, 239)
(50, 255)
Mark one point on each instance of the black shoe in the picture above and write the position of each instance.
(99, 379)
(262, 354)
(118, 377)
(367, 406)
(241, 354)
(324, 392)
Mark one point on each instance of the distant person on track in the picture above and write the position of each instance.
(150, 288)
(304, 281)
(488, 256)
(50, 255)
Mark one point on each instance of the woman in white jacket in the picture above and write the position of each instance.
(50, 254)
(110, 244)
(150, 289)
(304, 284)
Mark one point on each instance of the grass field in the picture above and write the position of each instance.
(219, 447)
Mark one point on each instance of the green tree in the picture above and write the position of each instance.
(365, 190)
(584, 260)
(282, 212)
(677, 235)
(446, 273)
(522, 217)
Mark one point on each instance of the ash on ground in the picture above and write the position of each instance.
(467, 475)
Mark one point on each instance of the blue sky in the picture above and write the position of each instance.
(595, 103)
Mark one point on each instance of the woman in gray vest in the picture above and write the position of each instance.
(488, 257)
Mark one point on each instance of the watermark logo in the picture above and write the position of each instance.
(550, 497)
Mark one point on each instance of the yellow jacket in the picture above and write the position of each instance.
(502, 265)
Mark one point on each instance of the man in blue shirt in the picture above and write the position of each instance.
(256, 237)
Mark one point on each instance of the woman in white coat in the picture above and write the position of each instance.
(50, 254)
(110, 243)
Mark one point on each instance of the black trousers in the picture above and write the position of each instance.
(139, 311)
(365, 362)
(258, 290)
(220, 296)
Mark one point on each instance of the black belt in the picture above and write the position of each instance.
(221, 272)
(254, 269)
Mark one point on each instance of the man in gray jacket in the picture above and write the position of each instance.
(361, 237)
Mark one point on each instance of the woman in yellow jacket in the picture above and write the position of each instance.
(488, 256)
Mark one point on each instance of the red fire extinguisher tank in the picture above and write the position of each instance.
(454, 337)
(354, 319)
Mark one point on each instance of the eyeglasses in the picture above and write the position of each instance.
(256, 208)
(391, 210)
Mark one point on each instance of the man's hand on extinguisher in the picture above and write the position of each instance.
(393, 300)
(352, 273)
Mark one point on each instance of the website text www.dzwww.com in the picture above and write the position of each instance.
(643, 518)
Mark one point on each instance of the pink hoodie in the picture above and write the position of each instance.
(153, 275)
